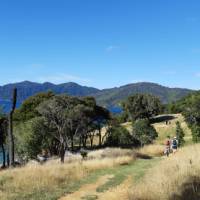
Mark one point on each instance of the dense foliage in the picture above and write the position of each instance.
(179, 134)
(141, 106)
(144, 132)
(28, 109)
(55, 122)
(189, 106)
(119, 136)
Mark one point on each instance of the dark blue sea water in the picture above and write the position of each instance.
(115, 109)
(1, 157)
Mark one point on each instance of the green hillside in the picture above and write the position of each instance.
(113, 96)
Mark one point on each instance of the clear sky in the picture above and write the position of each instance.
(101, 43)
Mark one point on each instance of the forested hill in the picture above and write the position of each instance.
(27, 89)
(114, 95)
(106, 97)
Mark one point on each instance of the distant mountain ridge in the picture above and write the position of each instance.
(106, 97)
(27, 89)
(114, 95)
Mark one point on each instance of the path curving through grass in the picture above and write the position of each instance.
(111, 182)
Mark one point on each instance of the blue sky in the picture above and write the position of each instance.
(101, 43)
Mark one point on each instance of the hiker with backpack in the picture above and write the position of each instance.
(174, 144)
(167, 146)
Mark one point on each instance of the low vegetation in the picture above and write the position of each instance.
(152, 150)
(175, 178)
(52, 180)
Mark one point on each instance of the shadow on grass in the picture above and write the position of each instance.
(189, 190)
(143, 156)
(163, 118)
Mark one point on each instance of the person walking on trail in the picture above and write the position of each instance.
(167, 146)
(174, 144)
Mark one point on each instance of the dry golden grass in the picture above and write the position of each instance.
(167, 130)
(47, 177)
(152, 150)
(170, 129)
(167, 180)
(118, 193)
(110, 153)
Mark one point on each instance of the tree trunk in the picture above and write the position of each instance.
(4, 156)
(91, 141)
(8, 160)
(10, 130)
(80, 142)
(11, 141)
(62, 153)
(84, 140)
(72, 143)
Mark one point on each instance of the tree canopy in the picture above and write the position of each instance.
(141, 106)
(144, 132)
(189, 106)
(28, 109)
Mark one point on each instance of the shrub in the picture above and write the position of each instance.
(179, 134)
(119, 136)
(144, 132)
(140, 106)
(84, 154)
(196, 133)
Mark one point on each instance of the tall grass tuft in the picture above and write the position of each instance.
(175, 178)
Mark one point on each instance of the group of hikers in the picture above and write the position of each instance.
(171, 145)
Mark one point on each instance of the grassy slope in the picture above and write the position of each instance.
(175, 178)
(165, 130)
(170, 129)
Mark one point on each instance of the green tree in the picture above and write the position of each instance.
(190, 108)
(3, 133)
(143, 106)
(28, 109)
(196, 133)
(179, 134)
(71, 117)
(98, 118)
(144, 132)
(56, 112)
(118, 136)
(32, 137)
(60, 122)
